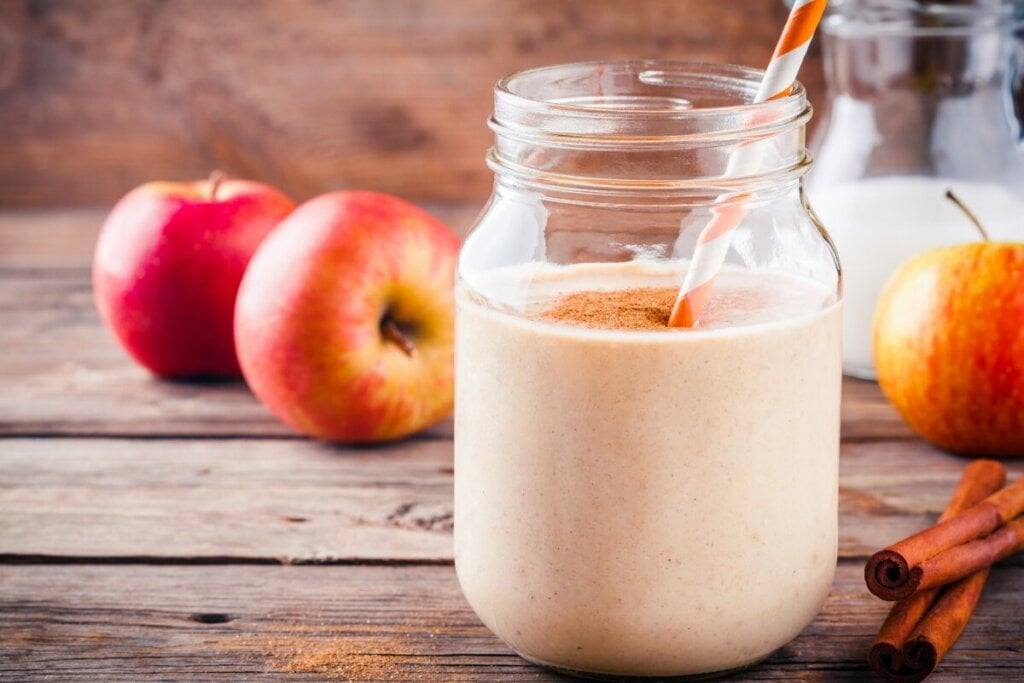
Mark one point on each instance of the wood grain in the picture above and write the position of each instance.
(300, 501)
(309, 95)
(233, 500)
(124, 623)
(868, 415)
(163, 531)
(39, 239)
(57, 239)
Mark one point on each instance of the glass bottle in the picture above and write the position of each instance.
(634, 500)
(924, 97)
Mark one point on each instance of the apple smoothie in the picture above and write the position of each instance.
(637, 500)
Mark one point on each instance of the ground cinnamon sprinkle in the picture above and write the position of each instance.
(648, 308)
(642, 308)
(365, 659)
(308, 649)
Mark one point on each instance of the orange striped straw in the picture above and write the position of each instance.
(713, 242)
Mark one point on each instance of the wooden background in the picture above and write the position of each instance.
(97, 96)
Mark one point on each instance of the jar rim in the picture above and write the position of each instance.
(593, 129)
(644, 101)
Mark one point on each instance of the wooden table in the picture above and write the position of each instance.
(175, 530)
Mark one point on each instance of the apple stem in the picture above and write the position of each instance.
(215, 179)
(970, 214)
(390, 330)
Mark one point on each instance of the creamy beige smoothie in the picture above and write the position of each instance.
(634, 501)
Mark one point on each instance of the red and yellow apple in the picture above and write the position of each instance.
(949, 347)
(167, 266)
(344, 321)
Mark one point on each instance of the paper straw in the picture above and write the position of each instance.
(713, 242)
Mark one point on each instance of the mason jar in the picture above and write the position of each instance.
(633, 499)
(924, 97)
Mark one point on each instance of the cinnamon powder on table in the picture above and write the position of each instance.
(340, 659)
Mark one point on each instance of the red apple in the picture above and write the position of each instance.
(949, 347)
(345, 317)
(167, 266)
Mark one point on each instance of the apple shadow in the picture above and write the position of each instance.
(341, 448)
(201, 381)
(1015, 458)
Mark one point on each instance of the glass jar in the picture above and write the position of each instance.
(634, 500)
(922, 100)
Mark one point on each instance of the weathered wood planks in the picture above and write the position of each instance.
(125, 623)
(236, 500)
(273, 500)
(175, 531)
(394, 96)
(37, 240)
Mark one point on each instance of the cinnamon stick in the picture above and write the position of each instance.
(932, 638)
(895, 572)
(963, 560)
(980, 479)
(886, 653)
